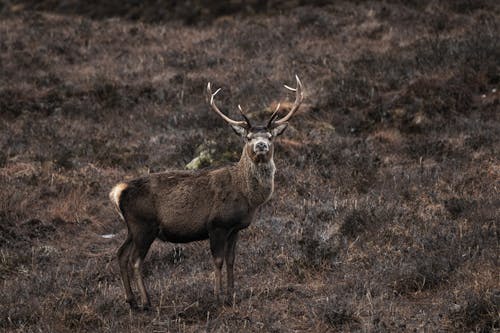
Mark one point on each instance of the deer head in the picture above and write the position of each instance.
(259, 139)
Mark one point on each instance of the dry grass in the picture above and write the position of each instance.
(385, 216)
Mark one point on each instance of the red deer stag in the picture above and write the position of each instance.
(187, 206)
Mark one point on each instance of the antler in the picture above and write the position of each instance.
(299, 96)
(210, 98)
(243, 115)
(274, 115)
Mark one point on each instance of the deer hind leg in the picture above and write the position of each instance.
(217, 246)
(123, 260)
(230, 255)
(139, 251)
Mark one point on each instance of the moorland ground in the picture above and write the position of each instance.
(385, 213)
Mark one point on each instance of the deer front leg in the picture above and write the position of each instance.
(217, 246)
(230, 255)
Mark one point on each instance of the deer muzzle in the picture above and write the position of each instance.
(261, 147)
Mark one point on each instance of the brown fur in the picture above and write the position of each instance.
(185, 206)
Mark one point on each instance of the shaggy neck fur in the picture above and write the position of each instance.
(258, 179)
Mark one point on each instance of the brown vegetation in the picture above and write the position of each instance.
(385, 211)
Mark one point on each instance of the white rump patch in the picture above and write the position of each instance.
(114, 196)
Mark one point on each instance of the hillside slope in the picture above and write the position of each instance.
(385, 215)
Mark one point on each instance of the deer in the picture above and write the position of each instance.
(184, 206)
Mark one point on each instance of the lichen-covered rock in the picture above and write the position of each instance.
(204, 159)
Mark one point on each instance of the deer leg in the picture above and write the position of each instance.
(139, 251)
(123, 259)
(230, 255)
(217, 245)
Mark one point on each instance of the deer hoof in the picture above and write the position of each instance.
(146, 308)
(133, 304)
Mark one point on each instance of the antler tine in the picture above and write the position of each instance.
(299, 96)
(243, 115)
(210, 97)
(274, 115)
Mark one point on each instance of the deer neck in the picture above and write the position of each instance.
(257, 179)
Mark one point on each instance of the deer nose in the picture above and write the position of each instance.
(261, 147)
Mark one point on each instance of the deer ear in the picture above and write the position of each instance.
(240, 130)
(278, 130)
